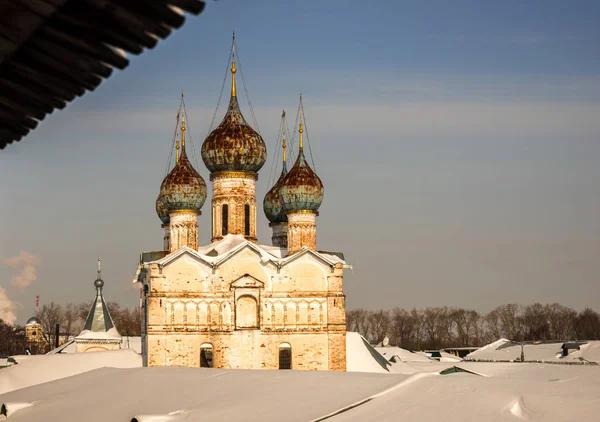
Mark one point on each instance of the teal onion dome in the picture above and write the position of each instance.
(161, 210)
(272, 204)
(183, 188)
(301, 189)
(234, 145)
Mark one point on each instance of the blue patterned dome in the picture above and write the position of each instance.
(272, 204)
(183, 188)
(161, 210)
(301, 188)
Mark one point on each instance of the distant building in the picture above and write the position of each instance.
(235, 303)
(99, 332)
(35, 342)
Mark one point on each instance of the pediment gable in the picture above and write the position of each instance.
(264, 256)
(316, 256)
(247, 282)
(180, 254)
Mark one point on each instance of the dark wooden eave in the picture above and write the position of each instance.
(54, 50)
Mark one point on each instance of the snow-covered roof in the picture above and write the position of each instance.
(507, 351)
(505, 392)
(401, 354)
(220, 251)
(37, 369)
(127, 342)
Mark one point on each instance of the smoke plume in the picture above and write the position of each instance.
(25, 264)
(7, 308)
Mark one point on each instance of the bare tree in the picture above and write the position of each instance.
(587, 325)
(535, 322)
(402, 325)
(71, 323)
(50, 315)
(468, 327)
(12, 339)
(561, 321)
(379, 324)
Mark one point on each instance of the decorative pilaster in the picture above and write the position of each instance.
(183, 229)
(234, 204)
(280, 234)
(302, 230)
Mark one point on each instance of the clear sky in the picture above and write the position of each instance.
(458, 143)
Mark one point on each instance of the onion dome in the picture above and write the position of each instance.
(234, 145)
(301, 189)
(272, 204)
(183, 189)
(161, 210)
(33, 321)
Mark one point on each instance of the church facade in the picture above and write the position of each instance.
(236, 303)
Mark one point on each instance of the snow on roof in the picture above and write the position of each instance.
(362, 357)
(111, 334)
(221, 250)
(402, 355)
(505, 350)
(508, 391)
(33, 370)
(134, 343)
(203, 394)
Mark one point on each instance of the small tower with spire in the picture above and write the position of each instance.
(278, 221)
(182, 194)
(99, 332)
(234, 153)
(301, 194)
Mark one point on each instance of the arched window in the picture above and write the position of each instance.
(285, 356)
(206, 355)
(225, 219)
(247, 220)
(246, 313)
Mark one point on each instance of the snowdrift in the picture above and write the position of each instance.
(33, 370)
(504, 350)
(508, 391)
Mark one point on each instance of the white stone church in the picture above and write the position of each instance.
(236, 303)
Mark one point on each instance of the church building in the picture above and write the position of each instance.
(236, 303)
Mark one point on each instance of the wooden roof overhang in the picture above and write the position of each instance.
(54, 50)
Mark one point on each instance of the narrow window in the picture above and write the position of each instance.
(225, 219)
(247, 220)
(206, 355)
(285, 356)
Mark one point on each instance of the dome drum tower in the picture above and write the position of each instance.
(234, 153)
(234, 204)
(273, 209)
(182, 194)
(301, 194)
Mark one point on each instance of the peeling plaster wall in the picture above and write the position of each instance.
(302, 304)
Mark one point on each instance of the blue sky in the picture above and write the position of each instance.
(457, 141)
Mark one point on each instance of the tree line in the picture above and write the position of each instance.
(439, 327)
(71, 320)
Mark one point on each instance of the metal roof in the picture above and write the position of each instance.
(52, 51)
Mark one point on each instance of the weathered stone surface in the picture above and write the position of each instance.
(183, 230)
(302, 231)
(246, 308)
(280, 233)
(236, 190)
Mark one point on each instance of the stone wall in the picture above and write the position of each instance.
(246, 309)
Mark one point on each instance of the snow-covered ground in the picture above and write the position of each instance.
(110, 386)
